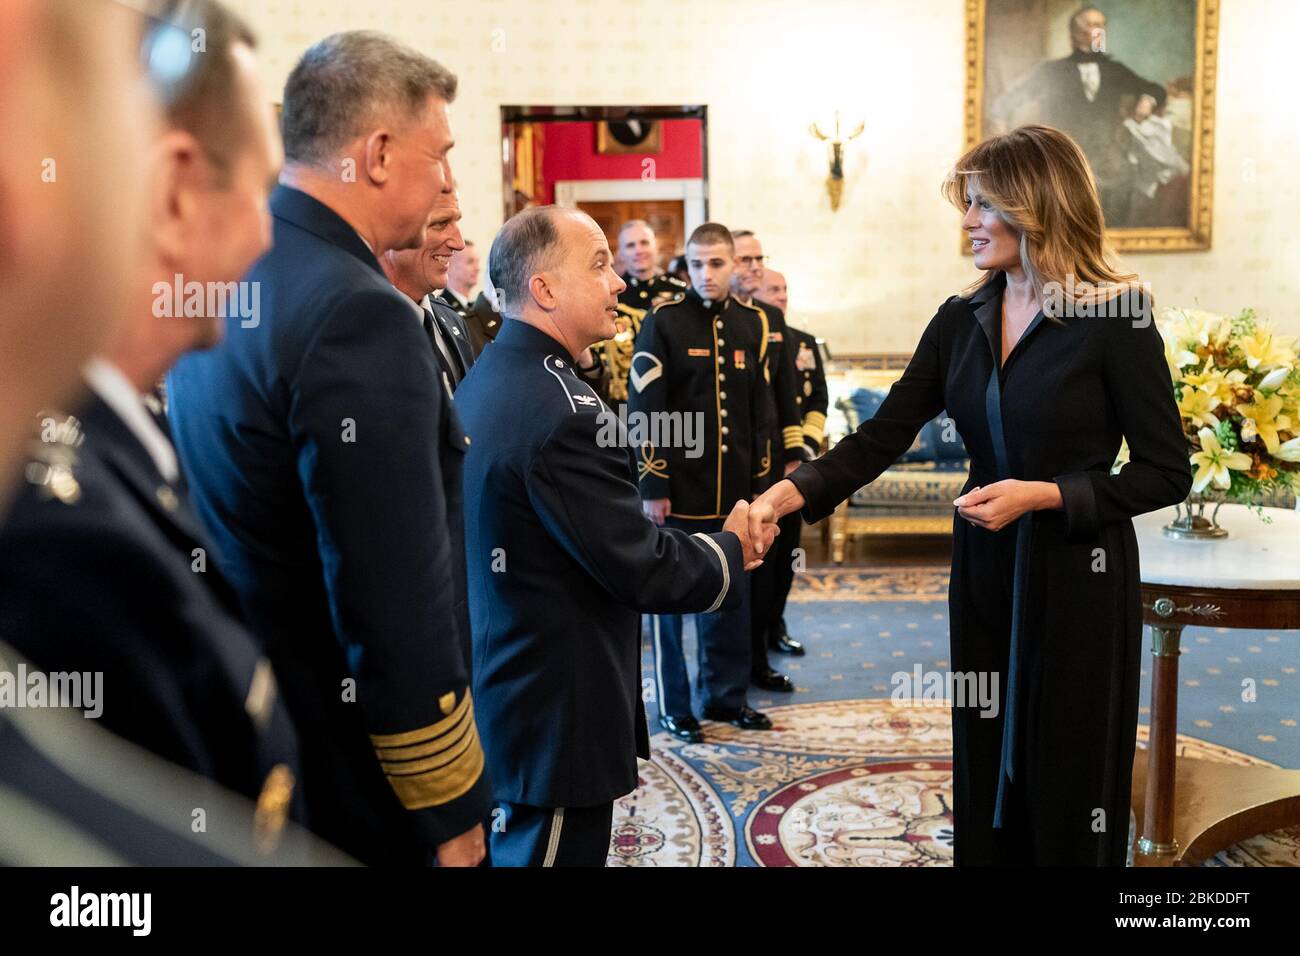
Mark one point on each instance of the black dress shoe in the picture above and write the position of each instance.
(785, 645)
(770, 679)
(746, 718)
(683, 728)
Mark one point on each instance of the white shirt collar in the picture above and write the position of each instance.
(464, 302)
(107, 381)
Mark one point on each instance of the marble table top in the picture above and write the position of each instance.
(1255, 554)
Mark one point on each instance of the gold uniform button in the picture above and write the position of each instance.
(718, 323)
(724, 448)
(722, 376)
(721, 342)
(466, 439)
(725, 430)
(719, 359)
(723, 412)
(167, 498)
(722, 395)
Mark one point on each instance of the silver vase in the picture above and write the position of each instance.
(1191, 523)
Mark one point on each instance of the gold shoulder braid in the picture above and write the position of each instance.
(53, 457)
(616, 352)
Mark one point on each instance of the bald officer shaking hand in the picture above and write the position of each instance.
(561, 558)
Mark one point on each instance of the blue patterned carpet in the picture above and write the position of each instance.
(844, 760)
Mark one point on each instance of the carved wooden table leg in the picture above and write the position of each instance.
(1157, 845)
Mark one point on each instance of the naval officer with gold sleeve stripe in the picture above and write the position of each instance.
(325, 459)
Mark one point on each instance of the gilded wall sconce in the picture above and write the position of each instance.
(835, 181)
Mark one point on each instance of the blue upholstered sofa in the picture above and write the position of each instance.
(914, 497)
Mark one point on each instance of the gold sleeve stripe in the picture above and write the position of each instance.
(814, 425)
(792, 436)
(433, 788)
(428, 748)
(435, 764)
(405, 739)
(437, 761)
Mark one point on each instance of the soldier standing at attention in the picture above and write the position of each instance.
(786, 434)
(646, 287)
(699, 360)
(812, 398)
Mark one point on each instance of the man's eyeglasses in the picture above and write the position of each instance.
(751, 261)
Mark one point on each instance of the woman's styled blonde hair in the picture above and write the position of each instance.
(1037, 179)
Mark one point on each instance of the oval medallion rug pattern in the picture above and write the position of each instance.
(864, 779)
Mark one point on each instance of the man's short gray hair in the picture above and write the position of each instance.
(350, 81)
(633, 223)
(527, 244)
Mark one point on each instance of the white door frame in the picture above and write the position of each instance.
(570, 192)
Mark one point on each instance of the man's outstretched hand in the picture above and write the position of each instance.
(753, 541)
(770, 507)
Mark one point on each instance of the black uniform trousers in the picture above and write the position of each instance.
(723, 648)
(551, 836)
(770, 585)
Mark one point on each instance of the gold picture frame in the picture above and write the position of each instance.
(1194, 230)
(612, 142)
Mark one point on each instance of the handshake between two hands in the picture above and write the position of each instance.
(756, 535)
(753, 523)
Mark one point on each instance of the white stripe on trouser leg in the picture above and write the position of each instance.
(726, 570)
(553, 844)
(659, 667)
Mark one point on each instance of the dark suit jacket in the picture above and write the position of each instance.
(325, 458)
(784, 424)
(124, 582)
(458, 337)
(812, 396)
(483, 322)
(1055, 86)
(562, 560)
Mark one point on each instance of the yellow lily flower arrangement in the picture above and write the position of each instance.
(1215, 464)
(1237, 385)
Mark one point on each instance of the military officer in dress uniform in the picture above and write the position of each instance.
(561, 556)
(420, 273)
(104, 517)
(646, 287)
(813, 401)
(786, 434)
(325, 458)
(481, 319)
(699, 372)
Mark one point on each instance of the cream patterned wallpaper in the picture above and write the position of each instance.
(869, 276)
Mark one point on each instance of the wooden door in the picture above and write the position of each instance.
(667, 217)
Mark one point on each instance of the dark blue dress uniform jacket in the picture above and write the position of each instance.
(325, 458)
(111, 578)
(562, 561)
(706, 361)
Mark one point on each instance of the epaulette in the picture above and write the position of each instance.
(673, 301)
(676, 281)
(580, 395)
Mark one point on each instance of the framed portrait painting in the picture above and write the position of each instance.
(1132, 81)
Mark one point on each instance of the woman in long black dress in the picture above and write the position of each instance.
(1044, 589)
